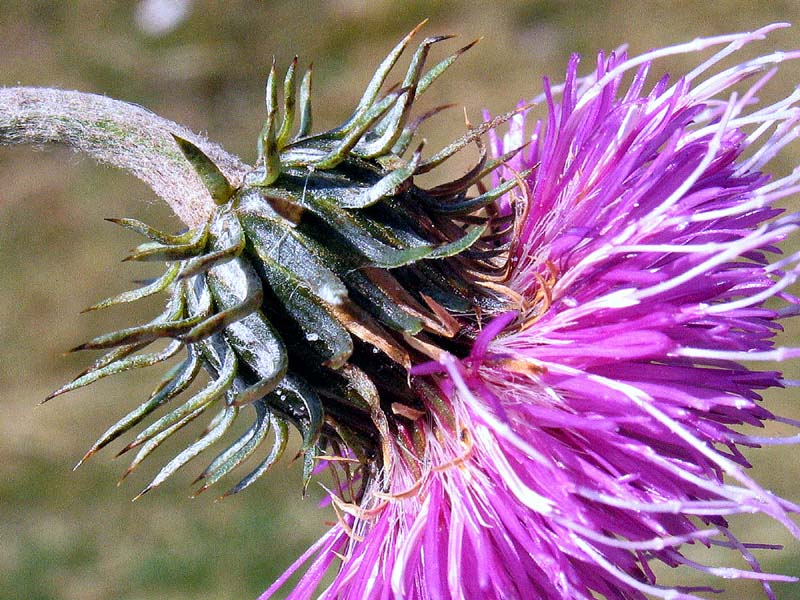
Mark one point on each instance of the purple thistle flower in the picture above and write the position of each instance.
(596, 428)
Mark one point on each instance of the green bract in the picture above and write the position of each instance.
(315, 285)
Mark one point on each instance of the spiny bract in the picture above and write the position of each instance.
(313, 285)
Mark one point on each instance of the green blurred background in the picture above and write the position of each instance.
(66, 535)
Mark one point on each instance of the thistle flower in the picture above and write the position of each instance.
(309, 290)
(593, 429)
(538, 391)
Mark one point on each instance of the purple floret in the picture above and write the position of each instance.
(596, 427)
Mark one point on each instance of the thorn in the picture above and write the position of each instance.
(467, 122)
(127, 448)
(86, 457)
(140, 494)
(471, 45)
(414, 31)
(84, 346)
(49, 397)
(58, 392)
(127, 472)
(199, 491)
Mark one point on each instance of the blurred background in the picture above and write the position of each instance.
(76, 536)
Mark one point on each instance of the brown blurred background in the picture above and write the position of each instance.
(66, 535)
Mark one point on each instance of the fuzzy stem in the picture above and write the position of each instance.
(120, 134)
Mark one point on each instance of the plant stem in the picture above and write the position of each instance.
(120, 134)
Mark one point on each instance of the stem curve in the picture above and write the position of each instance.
(120, 134)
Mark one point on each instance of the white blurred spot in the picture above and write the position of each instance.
(331, 294)
(159, 17)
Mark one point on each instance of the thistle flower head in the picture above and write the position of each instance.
(595, 427)
(313, 286)
(540, 390)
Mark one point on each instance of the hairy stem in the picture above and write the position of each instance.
(120, 134)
